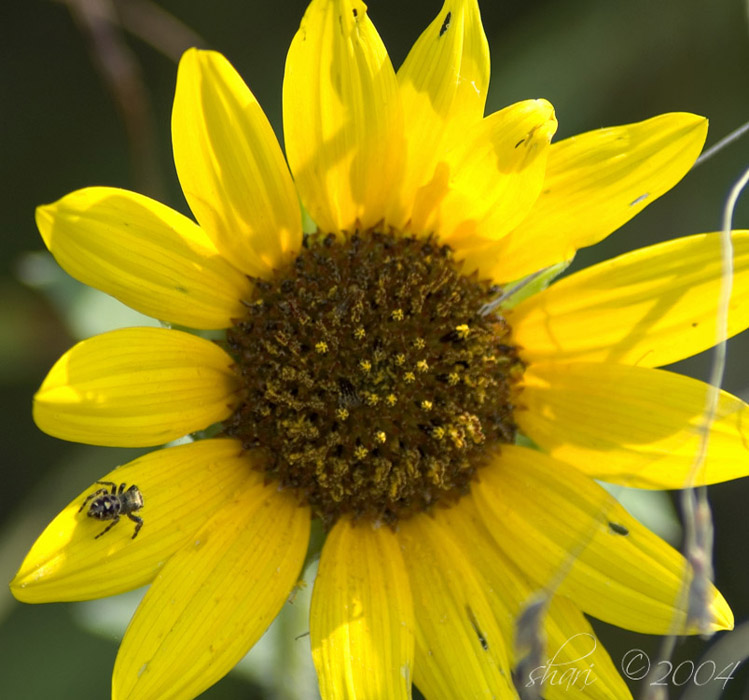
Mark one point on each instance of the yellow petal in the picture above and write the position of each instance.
(501, 583)
(486, 185)
(135, 387)
(342, 116)
(575, 663)
(595, 183)
(231, 167)
(650, 307)
(443, 84)
(361, 619)
(214, 598)
(181, 487)
(145, 254)
(460, 651)
(632, 425)
(561, 528)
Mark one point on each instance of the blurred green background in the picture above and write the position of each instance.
(64, 127)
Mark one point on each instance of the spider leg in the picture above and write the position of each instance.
(109, 483)
(108, 527)
(138, 523)
(91, 496)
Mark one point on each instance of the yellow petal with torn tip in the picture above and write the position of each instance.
(136, 387)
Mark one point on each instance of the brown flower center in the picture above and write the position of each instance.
(371, 384)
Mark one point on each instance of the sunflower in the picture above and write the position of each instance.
(378, 376)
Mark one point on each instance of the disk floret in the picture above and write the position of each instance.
(371, 384)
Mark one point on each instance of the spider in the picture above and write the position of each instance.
(110, 505)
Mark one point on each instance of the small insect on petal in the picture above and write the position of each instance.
(618, 529)
(113, 503)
